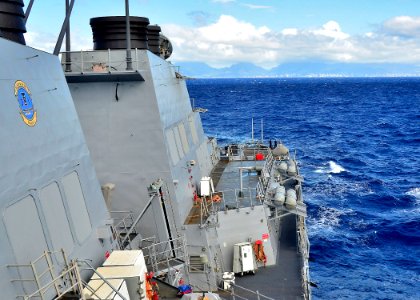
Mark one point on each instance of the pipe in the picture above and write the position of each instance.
(127, 236)
(68, 46)
(28, 10)
(128, 36)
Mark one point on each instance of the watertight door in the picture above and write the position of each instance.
(247, 258)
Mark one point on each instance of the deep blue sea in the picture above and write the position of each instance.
(358, 143)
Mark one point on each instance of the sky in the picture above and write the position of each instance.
(266, 33)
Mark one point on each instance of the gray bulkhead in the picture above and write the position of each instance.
(139, 131)
(50, 197)
(245, 225)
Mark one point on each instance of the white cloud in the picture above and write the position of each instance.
(331, 29)
(403, 26)
(229, 40)
(46, 42)
(230, 30)
(289, 31)
(223, 42)
(256, 6)
(223, 1)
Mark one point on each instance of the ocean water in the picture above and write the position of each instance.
(358, 143)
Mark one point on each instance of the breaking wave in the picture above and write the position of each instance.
(415, 192)
(333, 168)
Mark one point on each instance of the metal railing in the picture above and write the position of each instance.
(236, 295)
(127, 230)
(236, 198)
(49, 281)
(214, 151)
(104, 282)
(104, 61)
(165, 258)
(257, 294)
(123, 224)
(303, 246)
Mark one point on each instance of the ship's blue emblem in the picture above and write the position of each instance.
(27, 110)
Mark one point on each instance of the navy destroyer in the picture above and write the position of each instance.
(148, 194)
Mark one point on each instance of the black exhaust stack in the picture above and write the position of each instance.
(12, 20)
(153, 32)
(110, 32)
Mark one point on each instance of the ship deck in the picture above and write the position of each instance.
(226, 181)
(280, 281)
(283, 280)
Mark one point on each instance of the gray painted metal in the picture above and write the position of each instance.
(32, 157)
(150, 132)
(128, 142)
(128, 139)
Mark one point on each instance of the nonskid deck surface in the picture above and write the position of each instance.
(283, 280)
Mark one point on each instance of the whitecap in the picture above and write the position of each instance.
(335, 168)
(415, 192)
(327, 218)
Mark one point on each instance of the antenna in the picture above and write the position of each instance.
(252, 130)
(262, 131)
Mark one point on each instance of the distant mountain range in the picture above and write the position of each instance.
(299, 69)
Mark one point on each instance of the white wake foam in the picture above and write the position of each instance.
(327, 219)
(334, 168)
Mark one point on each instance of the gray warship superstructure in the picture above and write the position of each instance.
(169, 189)
(52, 208)
(144, 134)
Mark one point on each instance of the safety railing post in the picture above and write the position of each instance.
(81, 61)
(51, 269)
(78, 280)
(37, 280)
(109, 60)
(250, 197)
(137, 59)
(66, 263)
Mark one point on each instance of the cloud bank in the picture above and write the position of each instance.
(229, 40)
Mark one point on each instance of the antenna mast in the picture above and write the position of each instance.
(252, 130)
(262, 131)
(128, 35)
